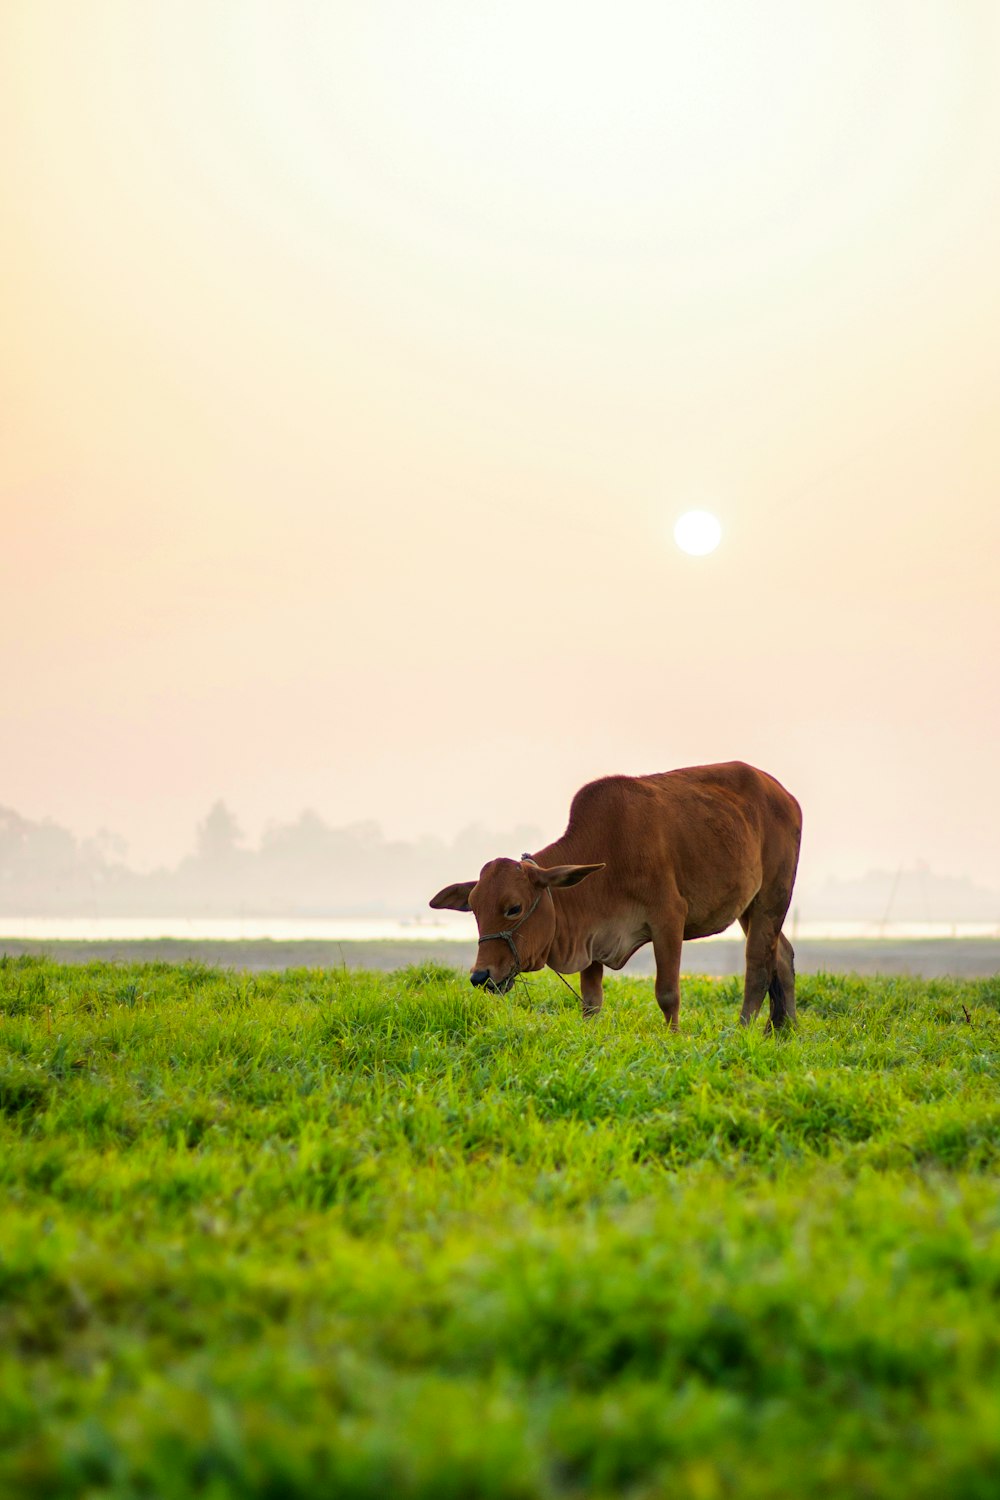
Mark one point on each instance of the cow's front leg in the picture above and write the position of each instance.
(592, 988)
(667, 943)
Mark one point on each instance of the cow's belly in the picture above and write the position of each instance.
(715, 916)
(617, 938)
(710, 926)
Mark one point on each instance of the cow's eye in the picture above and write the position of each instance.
(513, 911)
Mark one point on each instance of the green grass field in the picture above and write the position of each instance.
(358, 1235)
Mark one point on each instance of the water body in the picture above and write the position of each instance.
(928, 950)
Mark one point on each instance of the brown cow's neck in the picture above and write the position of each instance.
(564, 851)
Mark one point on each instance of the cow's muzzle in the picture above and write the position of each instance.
(483, 979)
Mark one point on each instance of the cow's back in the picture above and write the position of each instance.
(709, 837)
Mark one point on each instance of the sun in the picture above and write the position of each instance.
(697, 532)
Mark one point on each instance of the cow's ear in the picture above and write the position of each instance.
(453, 897)
(557, 877)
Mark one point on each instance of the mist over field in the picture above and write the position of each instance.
(300, 868)
(308, 868)
(359, 361)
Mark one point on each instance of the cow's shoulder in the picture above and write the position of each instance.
(606, 794)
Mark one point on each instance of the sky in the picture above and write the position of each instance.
(357, 359)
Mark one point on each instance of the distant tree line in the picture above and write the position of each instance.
(307, 868)
(303, 868)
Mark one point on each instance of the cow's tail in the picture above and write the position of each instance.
(779, 1011)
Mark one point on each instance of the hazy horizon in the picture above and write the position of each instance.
(359, 359)
(305, 868)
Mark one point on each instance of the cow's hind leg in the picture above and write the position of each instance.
(667, 943)
(592, 988)
(782, 986)
(763, 930)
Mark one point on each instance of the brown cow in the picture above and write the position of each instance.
(662, 858)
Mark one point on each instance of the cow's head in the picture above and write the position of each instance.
(512, 902)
